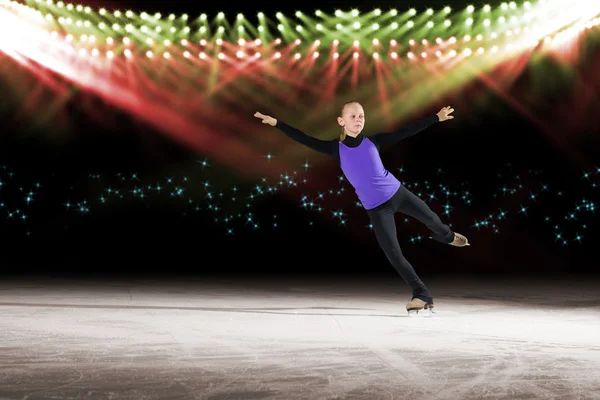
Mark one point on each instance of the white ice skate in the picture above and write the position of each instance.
(458, 241)
(419, 308)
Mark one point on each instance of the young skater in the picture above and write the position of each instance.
(380, 192)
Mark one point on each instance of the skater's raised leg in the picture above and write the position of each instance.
(410, 204)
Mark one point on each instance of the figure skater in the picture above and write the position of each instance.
(380, 192)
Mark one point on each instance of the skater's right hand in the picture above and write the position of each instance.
(266, 119)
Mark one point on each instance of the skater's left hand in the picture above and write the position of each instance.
(444, 113)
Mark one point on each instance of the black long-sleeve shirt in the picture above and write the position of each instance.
(331, 147)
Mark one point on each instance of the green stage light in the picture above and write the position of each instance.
(171, 28)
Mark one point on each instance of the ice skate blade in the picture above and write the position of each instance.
(425, 313)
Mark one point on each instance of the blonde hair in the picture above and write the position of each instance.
(343, 134)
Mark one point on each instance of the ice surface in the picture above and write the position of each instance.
(298, 339)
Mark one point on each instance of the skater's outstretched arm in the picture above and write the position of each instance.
(411, 129)
(322, 146)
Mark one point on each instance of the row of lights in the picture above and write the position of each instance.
(281, 27)
(240, 54)
(221, 15)
(566, 34)
(257, 42)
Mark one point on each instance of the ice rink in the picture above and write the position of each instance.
(298, 338)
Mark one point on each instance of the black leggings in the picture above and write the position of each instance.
(384, 226)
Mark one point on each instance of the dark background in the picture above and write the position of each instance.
(491, 144)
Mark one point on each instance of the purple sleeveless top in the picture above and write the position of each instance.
(364, 169)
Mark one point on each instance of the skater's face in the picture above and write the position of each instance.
(352, 119)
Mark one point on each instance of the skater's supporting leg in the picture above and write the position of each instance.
(384, 226)
(410, 204)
